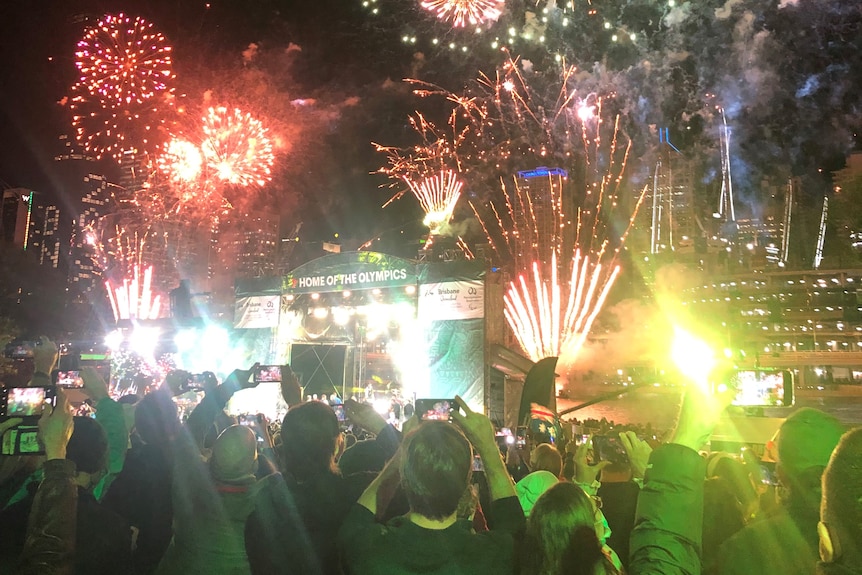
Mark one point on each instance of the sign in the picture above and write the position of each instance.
(257, 311)
(452, 300)
(350, 271)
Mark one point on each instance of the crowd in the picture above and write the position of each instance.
(138, 490)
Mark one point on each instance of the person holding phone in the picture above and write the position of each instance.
(434, 467)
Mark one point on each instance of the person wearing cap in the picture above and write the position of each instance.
(212, 501)
(787, 542)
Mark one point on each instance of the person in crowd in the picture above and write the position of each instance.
(561, 539)
(722, 517)
(141, 493)
(49, 545)
(314, 494)
(211, 503)
(618, 492)
(105, 544)
(840, 526)
(17, 472)
(666, 539)
(434, 468)
(787, 542)
(736, 475)
(545, 457)
(532, 486)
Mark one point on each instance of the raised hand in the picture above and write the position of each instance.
(55, 427)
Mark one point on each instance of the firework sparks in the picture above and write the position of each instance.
(125, 86)
(236, 147)
(123, 60)
(438, 195)
(181, 161)
(463, 12)
(134, 298)
(562, 243)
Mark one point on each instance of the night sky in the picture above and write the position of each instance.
(787, 73)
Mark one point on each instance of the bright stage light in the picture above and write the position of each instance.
(185, 340)
(320, 313)
(382, 406)
(114, 339)
(144, 340)
(340, 315)
(693, 357)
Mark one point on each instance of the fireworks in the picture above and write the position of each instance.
(123, 60)
(463, 12)
(558, 236)
(181, 161)
(438, 195)
(134, 299)
(125, 86)
(236, 147)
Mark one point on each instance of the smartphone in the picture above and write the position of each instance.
(435, 409)
(21, 350)
(762, 388)
(69, 379)
(265, 373)
(247, 419)
(609, 448)
(21, 440)
(767, 474)
(195, 382)
(339, 412)
(26, 401)
(521, 436)
(477, 463)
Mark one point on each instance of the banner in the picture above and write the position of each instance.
(350, 271)
(257, 311)
(452, 300)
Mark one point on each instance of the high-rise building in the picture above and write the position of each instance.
(247, 245)
(670, 204)
(541, 202)
(95, 203)
(29, 221)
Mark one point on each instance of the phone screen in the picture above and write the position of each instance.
(477, 463)
(69, 379)
(762, 388)
(521, 436)
(21, 440)
(25, 401)
(609, 448)
(267, 373)
(434, 409)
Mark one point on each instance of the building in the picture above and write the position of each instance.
(245, 246)
(808, 320)
(541, 205)
(30, 221)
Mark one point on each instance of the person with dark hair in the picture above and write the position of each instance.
(141, 493)
(840, 526)
(561, 537)
(787, 541)
(104, 543)
(305, 511)
(49, 543)
(722, 517)
(434, 468)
